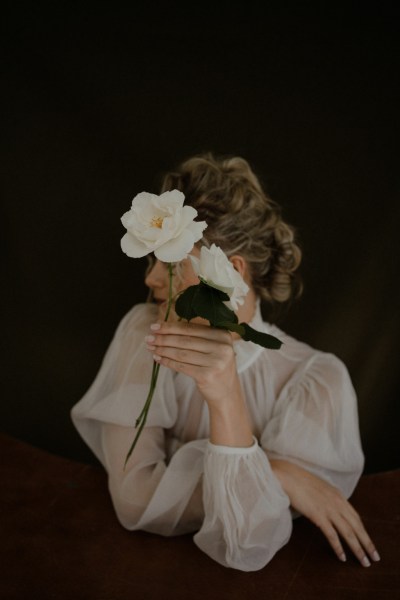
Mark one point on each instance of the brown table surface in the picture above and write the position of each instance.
(60, 539)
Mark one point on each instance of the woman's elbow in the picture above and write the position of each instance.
(128, 510)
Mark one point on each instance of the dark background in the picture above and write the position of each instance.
(99, 101)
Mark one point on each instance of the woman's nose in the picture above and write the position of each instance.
(157, 275)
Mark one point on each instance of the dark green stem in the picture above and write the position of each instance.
(142, 418)
(171, 274)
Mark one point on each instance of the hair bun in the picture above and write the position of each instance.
(242, 220)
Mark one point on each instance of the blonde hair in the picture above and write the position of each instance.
(242, 220)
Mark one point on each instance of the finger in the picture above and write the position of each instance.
(360, 531)
(193, 329)
(332, 536)
(181, 367)
(185, 356)
(347, 532)
(184, 342)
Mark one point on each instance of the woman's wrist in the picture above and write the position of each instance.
(285, 472)
(234, 450)
(230, 424)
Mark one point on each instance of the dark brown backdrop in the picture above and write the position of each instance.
(98, 102)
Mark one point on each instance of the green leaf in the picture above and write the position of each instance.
(204, 301)
(184, 304)
(207, 304)
(222, 295)
(262, 339)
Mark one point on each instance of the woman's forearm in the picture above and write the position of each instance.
(230, 422)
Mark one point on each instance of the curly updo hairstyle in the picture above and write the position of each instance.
(242, 220)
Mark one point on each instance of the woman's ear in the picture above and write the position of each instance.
(239, 264)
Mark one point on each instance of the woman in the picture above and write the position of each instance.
(239, 439)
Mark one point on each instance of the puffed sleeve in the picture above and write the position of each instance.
(120, 388)
(153, 493)
(314, 423)
(157, 491)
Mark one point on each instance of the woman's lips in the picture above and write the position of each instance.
(159, 301)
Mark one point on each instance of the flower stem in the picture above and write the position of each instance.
(171, 274)
(142, 418)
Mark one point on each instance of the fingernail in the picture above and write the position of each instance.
(375, 556)
(155, 326)
(342, 557)
(151, 348)
(149, 338)
(365, 562)
(156, 357)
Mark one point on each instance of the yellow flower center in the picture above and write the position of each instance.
(157, 222)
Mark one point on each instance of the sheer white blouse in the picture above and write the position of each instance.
(303, 409)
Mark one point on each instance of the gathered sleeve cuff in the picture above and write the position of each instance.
(219, 449)
(247, 518)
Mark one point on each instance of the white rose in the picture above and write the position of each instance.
(161, 224)
(218, 272)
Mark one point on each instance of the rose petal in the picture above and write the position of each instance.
(176, 249)
(197, 228)
(188, 214)
(143, 199)
(172, 197)
(152, 236)
(172, 226)
(133, 247)
(128, 219)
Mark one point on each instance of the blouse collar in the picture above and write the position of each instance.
(248, 352)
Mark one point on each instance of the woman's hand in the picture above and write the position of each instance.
(206, 354)
(327, 508)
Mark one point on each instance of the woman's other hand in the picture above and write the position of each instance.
(326, 507)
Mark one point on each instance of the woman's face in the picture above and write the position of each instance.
(157, 279)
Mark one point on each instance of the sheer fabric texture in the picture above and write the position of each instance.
(303, 409)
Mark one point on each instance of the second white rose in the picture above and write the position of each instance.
(217, 271)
